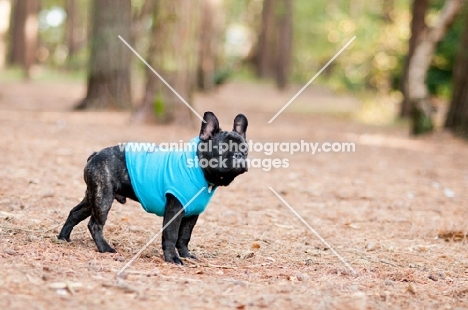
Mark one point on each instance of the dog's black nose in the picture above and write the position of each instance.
(238, 155)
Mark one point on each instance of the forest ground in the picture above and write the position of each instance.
(395, 210)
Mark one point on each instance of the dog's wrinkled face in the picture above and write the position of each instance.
(222, 154)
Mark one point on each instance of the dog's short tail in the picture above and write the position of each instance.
(91, 156)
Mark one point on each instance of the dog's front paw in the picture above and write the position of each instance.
(172, 258)
(109, 250)
(66, 238)
(186, 254)
(106, 248)
(192, 257)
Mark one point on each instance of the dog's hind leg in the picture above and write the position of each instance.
(101, 201)
(77, 214)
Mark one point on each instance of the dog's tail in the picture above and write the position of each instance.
(91, 156)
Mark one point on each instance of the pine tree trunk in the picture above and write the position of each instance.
(421, 114)
(140, 20)
(209, 43)
(71, 8)
(5, 9)
(173, 54)
(457, 117)
(275, 41)
(284, 43)
(417, 27)
(24, 34)
(267, 41)
(109, 85)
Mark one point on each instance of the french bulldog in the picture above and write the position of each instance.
(175, 184)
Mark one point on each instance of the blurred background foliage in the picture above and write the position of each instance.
(370, 69)
(321, 28)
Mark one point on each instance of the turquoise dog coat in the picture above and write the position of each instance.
(155, 172)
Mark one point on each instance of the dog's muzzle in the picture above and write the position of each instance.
(240, 162)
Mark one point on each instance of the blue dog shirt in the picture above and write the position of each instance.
(155, 172)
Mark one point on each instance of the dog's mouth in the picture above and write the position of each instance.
(223, 177)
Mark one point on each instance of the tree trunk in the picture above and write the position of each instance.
(140, 20)
(173, 54)
(109, 65)
(275, 41)
(457, 117)
(267, 40)
(24, 34)
(418, 25)
(418, 94)
(71, 9)
(284, 43)
(210, 29)
(5, 9)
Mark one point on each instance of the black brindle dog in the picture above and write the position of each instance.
(107, 178)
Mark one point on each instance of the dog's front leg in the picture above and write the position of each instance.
(172, 218)
(185, 232)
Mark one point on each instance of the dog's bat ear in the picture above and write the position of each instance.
(240, 124)
(210, 127)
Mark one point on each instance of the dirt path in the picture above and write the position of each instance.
(382, 208)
